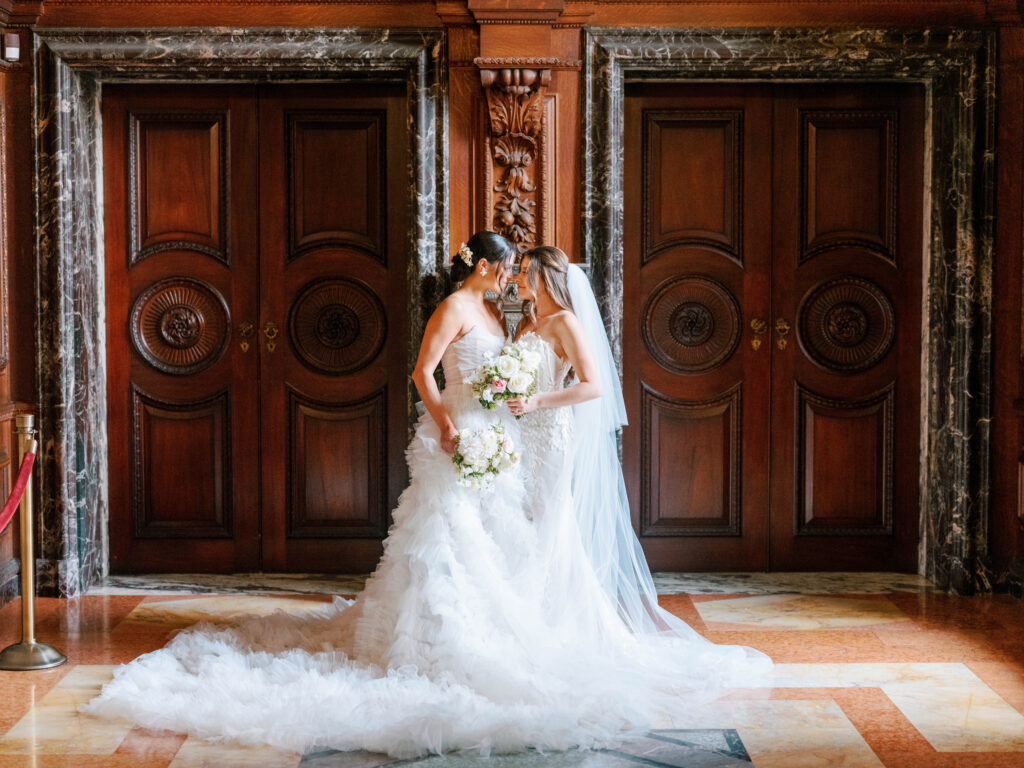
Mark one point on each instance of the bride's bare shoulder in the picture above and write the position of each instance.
(563, 320)
(452, 305)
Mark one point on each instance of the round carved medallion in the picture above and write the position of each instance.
(847, 324)
(337, 326)
(179, 325)
(691, 324)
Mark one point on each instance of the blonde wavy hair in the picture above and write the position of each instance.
(548, 265)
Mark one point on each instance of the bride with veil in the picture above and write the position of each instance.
(520, 617)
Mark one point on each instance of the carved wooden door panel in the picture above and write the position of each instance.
(697, 248)
(256, 325)
(332, 322)
(847, 243)
(772, 323)
(181, 264)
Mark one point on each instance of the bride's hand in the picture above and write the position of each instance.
(520, 405)
(449, 438)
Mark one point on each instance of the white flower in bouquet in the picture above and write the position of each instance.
(508, 366)
(520, 383)
(482, 454)
(530, 359)
(490, 443)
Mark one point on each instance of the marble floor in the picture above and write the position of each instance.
(872, 670)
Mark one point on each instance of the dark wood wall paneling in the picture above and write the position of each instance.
(1007, 524)
(467, 126)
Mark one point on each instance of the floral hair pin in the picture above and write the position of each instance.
(465, 254)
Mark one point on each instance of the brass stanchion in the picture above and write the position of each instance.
(28, 654)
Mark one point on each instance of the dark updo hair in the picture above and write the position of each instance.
(484, 245)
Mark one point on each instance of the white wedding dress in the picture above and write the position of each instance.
(483, 628)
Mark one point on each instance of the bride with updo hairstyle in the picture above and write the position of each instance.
(491, 247)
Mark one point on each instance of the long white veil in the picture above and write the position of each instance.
(599, 492)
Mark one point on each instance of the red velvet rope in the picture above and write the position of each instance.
(19, 490)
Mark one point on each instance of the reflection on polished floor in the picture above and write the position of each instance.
(872, 670)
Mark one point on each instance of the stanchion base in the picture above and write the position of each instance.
(25, 656)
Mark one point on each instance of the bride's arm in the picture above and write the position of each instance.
(442, 328)
(569, 332)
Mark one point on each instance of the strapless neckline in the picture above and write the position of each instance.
(484, 332)
(547, 343)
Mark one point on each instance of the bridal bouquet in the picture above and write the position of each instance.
(512, 374)
(481, 454)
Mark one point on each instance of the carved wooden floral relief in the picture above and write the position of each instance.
(515, 91)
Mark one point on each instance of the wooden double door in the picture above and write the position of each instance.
(772, 325)
(256, 324)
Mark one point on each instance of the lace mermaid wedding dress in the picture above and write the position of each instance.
(483, 628)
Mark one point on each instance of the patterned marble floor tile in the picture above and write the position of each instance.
(950, 705)
(23, 690)
(928, 679)
(791, 734)
(198, 753)
(666, 583)
(219, 609)
(1005, 678)
(54, 725)
(144, 744)
(800, 612)
(934, 611)
(36, 760)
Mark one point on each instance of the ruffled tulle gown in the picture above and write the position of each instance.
(481, 629)
(667, 673)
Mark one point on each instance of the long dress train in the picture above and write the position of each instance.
(481, 629)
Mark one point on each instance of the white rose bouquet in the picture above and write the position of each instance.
(481, 454)
(512, 374)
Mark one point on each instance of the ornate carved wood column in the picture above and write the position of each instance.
(518, 48)
(516, 153)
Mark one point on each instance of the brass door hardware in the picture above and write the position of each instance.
(245, 330)
(760, 328)
(270, 330)
(782, 328)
